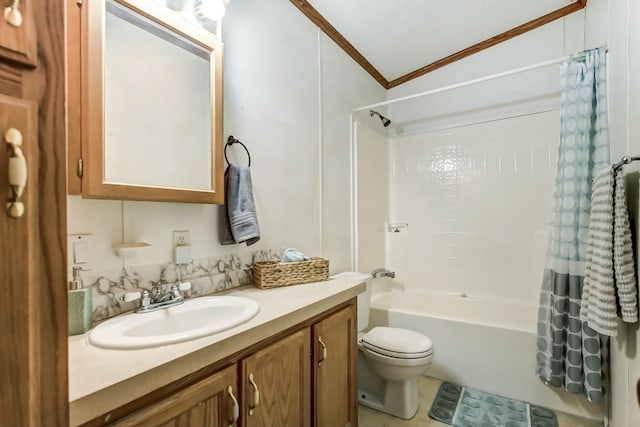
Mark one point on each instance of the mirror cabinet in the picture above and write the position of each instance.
(145, 104)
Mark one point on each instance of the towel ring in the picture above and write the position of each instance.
(230, 141)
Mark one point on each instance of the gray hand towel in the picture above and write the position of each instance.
(238, 222)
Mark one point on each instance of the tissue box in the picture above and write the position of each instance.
(273, 274)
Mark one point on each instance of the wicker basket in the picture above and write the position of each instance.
(273, 274)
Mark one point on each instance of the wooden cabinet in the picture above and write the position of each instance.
(303, 377)
(277, 384)
(33, 319)
(15, 247)
(135, 134)
(335, 361)
(211, 402)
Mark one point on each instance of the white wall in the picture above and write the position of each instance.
(288, 90)
(373, 193)
(345, 86)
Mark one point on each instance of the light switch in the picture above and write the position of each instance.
(80, 252)
(183, 254)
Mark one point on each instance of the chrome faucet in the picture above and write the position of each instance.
(149, 302)
(383, 272)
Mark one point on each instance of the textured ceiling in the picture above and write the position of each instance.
(400, 36)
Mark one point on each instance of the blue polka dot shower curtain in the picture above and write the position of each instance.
(569, 353)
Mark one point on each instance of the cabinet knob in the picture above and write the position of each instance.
(256, 395)
(12, 14)
(235, 408)
(324, 351)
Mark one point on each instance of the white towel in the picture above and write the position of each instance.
(609, 264)
(598, 307)
(623, 260)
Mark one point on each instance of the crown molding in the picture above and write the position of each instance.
(314, 16)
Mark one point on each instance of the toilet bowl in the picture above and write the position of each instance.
(398, 357)
(390, 360)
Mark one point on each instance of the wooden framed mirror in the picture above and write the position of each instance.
(148, 105)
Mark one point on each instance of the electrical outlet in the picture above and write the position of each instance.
(180, 238)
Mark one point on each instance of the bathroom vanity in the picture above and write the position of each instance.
(293, 364)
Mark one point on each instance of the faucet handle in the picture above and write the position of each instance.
(177, 287)
(131, 296)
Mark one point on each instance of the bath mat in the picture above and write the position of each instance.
(465, 407)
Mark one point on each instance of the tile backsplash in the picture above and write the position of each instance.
(207, 276)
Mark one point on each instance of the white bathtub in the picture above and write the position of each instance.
(482, 343)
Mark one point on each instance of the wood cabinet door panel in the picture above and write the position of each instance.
(19, 44)
(335, 379)
(19, 368)
(204, 404)
(281, 373)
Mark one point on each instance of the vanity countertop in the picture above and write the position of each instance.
(101, 380)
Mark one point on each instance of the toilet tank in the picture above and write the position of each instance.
(364, 299)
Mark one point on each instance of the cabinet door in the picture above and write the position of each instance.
(335, 363)
(276, 384)
(18, 38)
(208, 403)
(33, 247)
(18, 263)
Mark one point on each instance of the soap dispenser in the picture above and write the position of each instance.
(80, 305)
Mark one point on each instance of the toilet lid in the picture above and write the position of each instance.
(396, 342)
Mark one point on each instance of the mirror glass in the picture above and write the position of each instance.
(158, 111)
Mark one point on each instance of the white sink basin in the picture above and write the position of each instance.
(194, 318)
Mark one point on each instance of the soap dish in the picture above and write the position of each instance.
(129, 249)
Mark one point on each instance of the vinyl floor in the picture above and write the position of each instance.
(427, 389)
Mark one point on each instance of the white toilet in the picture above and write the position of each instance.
(390, 360)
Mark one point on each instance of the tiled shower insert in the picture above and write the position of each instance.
(478, 201)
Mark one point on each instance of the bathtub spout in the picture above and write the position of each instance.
(383, 272)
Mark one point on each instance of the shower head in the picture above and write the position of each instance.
(385, 122)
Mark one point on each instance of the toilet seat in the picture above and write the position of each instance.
(397, 343)
(397, 361)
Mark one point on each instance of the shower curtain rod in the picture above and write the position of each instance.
(468, 82)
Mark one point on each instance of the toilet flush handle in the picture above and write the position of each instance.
(324, 351)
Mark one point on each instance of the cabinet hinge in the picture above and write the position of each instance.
(79, 167)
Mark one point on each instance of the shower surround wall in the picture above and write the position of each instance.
(477, 200)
